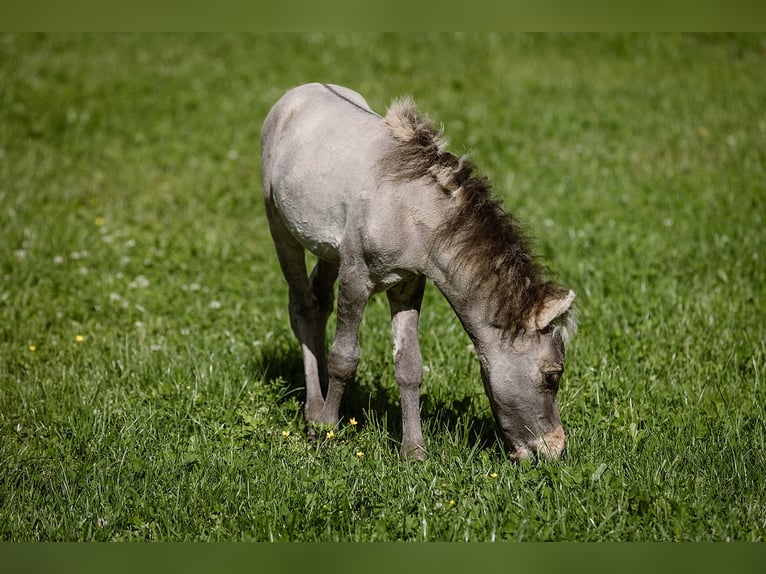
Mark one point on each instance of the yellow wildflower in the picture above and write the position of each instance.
(451, 503)
(285, 433)
(352, 421)
(79, 338)
(99, 221)
(359, 454)
(330, 435)
(32, 348)
(493, 475)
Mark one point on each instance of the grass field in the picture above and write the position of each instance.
(151, 388)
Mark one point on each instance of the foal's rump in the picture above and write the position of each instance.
(321, 147)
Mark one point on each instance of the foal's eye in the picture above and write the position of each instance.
(547, 329)
(552, 379)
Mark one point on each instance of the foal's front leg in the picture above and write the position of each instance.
(405, 300)
(354, 290)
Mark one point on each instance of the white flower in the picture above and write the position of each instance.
(139, 282)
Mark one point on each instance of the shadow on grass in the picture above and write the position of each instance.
(281, 367)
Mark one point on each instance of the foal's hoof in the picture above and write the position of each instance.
(316, 430)
(416, 452)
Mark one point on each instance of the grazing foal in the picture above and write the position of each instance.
(383, 206)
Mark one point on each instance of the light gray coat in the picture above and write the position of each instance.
(371, 197)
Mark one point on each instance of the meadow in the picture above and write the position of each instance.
(151, 387)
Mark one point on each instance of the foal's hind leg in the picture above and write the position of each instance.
(322, 281)
(304, 314)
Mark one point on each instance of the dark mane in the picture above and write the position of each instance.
(483, 236)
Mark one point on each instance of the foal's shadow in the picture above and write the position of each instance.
(281, 367)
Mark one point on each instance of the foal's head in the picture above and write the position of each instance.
(521, 370)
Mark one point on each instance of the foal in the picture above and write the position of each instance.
(383, 206)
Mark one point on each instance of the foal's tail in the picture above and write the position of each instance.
(267, 151)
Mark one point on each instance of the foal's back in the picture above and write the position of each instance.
(321, 149)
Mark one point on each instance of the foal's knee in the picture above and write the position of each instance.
(409, 381)
(408, 370)
(343, 362)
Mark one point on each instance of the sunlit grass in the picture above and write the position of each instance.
(150, 387)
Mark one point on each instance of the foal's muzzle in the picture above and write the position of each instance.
(551, 447)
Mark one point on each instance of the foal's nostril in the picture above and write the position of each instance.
(553, 445)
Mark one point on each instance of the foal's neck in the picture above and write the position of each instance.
(469, 301)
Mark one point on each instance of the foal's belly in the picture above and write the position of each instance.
(315, 220)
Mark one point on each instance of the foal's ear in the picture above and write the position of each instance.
(553, 308)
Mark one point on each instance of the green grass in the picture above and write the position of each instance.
(131, 216)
